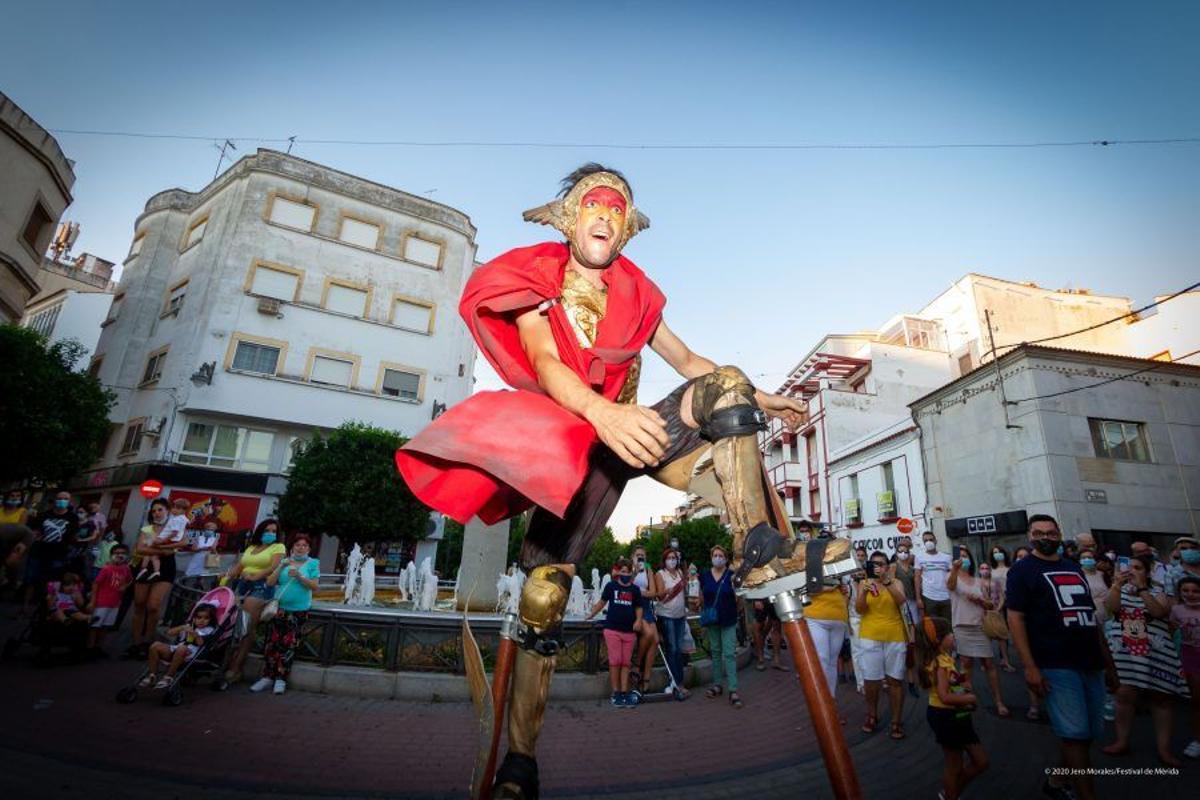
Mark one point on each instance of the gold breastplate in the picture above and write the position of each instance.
(585, 306)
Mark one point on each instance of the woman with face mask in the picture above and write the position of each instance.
(970, 596)
(999, 562)
(249, 575)
(1145, 655)
(295, 580)
(718, 615)
(672, 613)
(150, 591)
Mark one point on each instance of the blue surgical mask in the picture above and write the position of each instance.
(12, 501)
(300, 558)
(998, 556)
(1087, 563)
(62, 504)
(1190, 556)
(268, 538)
(623, 579)
(966, 563)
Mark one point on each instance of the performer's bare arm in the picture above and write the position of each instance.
(690, 365)
(638, 435)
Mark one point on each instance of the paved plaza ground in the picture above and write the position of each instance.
(64, 736)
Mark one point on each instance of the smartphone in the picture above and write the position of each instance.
(1122, 563)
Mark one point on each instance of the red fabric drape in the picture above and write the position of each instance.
(497, 453)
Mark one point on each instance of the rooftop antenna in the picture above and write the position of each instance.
(291, 141)
(227, 145)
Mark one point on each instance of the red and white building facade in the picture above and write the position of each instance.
(856, 466)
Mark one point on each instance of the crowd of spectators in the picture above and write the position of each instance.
(1098, 634)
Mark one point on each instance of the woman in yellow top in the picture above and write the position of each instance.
(249, 574)
(878, 599)
(828, 620)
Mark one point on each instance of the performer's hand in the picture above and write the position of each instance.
(793, 413)
(638, 435)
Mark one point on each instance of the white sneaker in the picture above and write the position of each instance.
(260, 684)
(280, 687)
(1192, 750)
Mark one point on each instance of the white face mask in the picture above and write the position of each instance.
(672, 563)
(903, 555)
(930, 546)
(718, 561)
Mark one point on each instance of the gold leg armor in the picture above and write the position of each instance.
(543, 603)
(723, 404)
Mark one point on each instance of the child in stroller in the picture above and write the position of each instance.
(199, 647)
(189, 637)
(64, 599)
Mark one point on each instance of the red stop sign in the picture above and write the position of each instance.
(905, 525)
(151, 489)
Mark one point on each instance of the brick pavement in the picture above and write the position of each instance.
(64, 734)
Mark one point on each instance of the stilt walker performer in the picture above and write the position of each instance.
(564, 324)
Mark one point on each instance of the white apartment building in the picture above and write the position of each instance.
(858, 465)
(1071, 435)
(72, 302)
(283, 298)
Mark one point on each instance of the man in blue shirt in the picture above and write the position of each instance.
(1053, 623)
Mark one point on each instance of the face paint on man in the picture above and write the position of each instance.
(599, 228)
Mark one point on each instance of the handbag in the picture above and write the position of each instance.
(708, 614)
(687, 643)
(212, 560)
(994, 626)
(269, 611)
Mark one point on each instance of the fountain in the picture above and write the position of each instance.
(508, 590)
(358, 588)
(427, 588)
(577, 604)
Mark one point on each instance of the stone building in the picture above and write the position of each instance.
(1105, 443)
(858, 465)
(283, 298)
(35, 188)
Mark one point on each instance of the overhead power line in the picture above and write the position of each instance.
(1126, 315)
(1184, 140)
(1151, 368)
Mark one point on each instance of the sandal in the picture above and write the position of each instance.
(1034, 714)
(1002, 711)
(735, 699)
(782, 667)
(146, 682)
(761, 666)
(713, 691)
(163, 683)
(868, 725)
(897, 731)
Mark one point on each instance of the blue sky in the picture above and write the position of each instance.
(759, 252)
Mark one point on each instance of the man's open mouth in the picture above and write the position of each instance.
(603, 234)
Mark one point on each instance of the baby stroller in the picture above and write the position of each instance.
(48, 636)
(209, 658)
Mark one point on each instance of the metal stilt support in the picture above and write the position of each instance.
(838, 764)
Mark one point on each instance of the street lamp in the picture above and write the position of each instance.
(204, 375)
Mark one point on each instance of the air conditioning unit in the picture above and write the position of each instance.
(154, 426)
(268, 306)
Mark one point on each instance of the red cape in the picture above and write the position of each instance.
(497, 453)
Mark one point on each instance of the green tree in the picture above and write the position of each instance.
(346, 485)
(602, 555)
(696, 537)
(53, 421)
(516, 538)
(449, 552)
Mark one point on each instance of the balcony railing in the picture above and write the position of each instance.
(789, 473)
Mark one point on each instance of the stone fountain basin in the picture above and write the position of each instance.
(388, 651)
